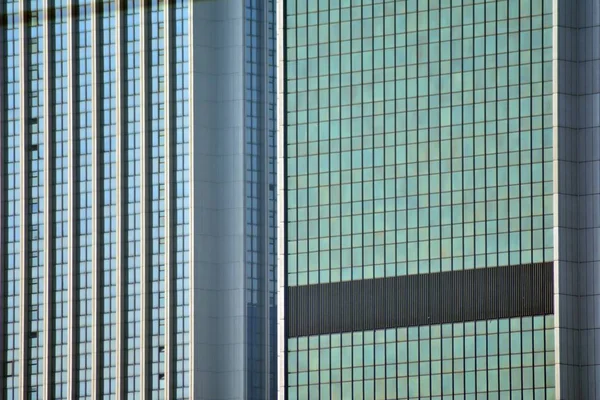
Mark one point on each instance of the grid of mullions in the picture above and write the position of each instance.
(180, 124)
(157, 174)
(506, 358)
(11, 207)
(254, 136)
(83, 201)
(35, 152)
(132, 195)
(418, 136)
(59, 192)
(107, 158)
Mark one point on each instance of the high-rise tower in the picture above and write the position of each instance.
(439, 210)
(138, 199)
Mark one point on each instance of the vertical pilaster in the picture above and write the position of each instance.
(24, 203)
(48, 206)
(119, 206)
(143, 207)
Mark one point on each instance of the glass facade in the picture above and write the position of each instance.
(419, 140)
(99, 199)
(13, 194)
(260, 178)
(131, 131)
(506, 358)
(418, 136)
(59, 88)
(180, 131)
(107, 201)
(83, 199)
(35, 154)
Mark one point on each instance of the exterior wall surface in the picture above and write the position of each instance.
(418, 142)
(138, 235)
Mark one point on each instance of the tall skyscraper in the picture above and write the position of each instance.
(138, 199)
(439, 199)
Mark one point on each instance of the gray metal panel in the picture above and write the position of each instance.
(217, 101)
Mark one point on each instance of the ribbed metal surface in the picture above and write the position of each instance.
(480, 294)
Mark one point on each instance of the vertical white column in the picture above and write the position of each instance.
(119, 206)
(143, 209)
(48, 270)
(24, 203)
(281, 276)
(95, 208)
(71, 204)
(168, 211)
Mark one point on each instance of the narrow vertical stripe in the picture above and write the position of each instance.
(48, 315)
(24, 183)
(143, 209)
(71, 203)
(192, 202)
(95, 208)
(120, 348)
(168, 211)
(281, 268)
(3, 223)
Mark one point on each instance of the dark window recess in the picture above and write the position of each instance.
(428, 299)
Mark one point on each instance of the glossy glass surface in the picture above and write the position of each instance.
(132, 195)
(507, 358)
(60, 196)
(155, 32)
(180, 131)
(107, 199)
(83, 200)
(260, 192)
(36, 154)
(418, 136)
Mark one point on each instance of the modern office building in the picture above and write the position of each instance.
(439, 212)
(137, 199)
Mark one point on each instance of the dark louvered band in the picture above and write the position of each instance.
(479, 294)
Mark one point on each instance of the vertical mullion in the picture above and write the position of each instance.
(120, 273)
(24, 203)
(49, 311)
(168, 212)
(95, 193)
